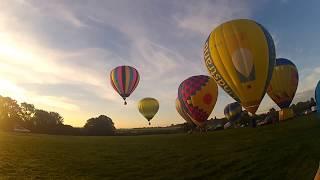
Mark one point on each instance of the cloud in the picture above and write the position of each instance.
(309, 79)
(202, 17)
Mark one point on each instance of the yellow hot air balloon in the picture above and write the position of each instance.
(240, 56)
(148, 107)
(283, 86)
(182, 113)
(284, 83)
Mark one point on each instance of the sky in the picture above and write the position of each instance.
(58, 55)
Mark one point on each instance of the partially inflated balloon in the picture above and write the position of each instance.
(233, 111)
(124, 79)
(198, 96)
(182, 113)
(317, 95)
(148, 107)
(240, 56)
(284, 83)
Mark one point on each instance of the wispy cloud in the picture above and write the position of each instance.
(203, 17)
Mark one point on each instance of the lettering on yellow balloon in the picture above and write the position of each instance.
(213, 71)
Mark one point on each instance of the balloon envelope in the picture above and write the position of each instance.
(198, 96)
(317, 95)
(284, 83)
(124, 79)
(233, 111)
(240, 56)
(148, 107)
(182, 113)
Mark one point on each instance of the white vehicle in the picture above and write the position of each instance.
(21, 129)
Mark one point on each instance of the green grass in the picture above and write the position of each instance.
(290, 150)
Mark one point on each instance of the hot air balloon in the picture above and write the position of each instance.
(198, 96)
(182, 113)
(124, 79)
(240, 56)
(284, 83)
(148, 107)
(233, 112)
(283, 86)
(317, 95)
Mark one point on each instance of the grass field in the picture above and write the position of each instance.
(290, 150)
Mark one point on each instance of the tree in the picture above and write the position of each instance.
(56, 118)
(100, 126)
(45, 121)
(28, 113)
(10, 113)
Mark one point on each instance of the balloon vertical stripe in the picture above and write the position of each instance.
(128, 74)
(136, 79)
(120, 80)
(131, 82)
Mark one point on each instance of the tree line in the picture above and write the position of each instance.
(14, 115)
(25, 115)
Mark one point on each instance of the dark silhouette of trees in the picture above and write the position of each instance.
(44, 121)
(10, 113)
(26, 115)
(13, 115)
(301, 107)
(28, 112)
(99, 126)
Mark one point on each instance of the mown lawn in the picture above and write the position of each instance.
(290, 150)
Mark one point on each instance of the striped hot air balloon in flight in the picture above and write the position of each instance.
(124, 79)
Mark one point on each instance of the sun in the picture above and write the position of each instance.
(8, 88)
